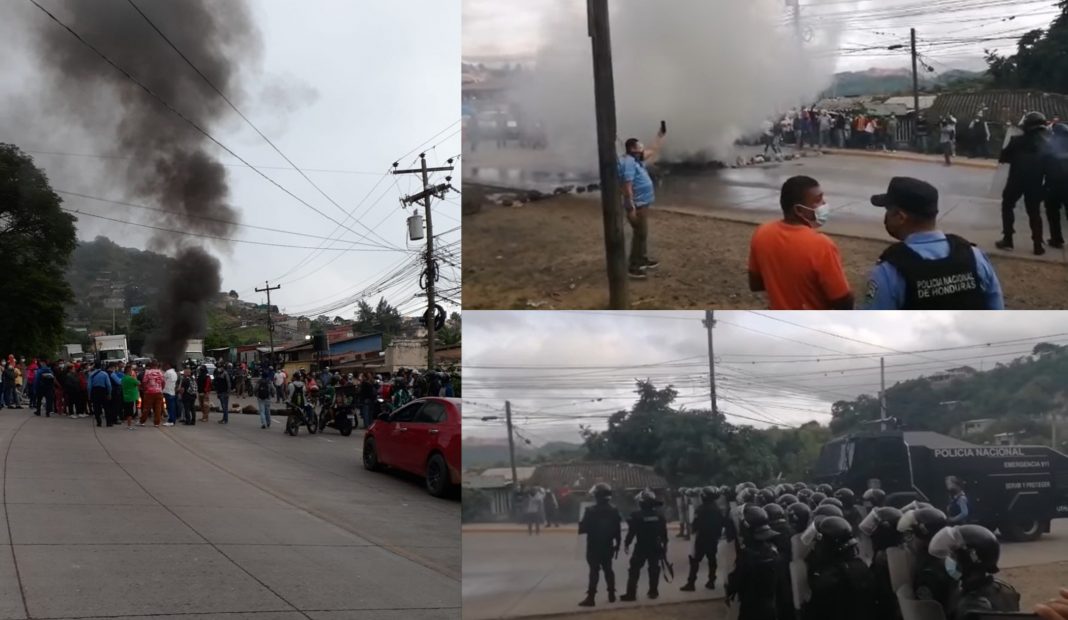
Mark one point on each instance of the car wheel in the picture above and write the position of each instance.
(1022, 530)
(370, 456)
(313, 424)
(437, 476)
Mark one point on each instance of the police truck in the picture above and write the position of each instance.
(1018, 490)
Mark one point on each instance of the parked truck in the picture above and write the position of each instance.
(111, 348)
(71, 352)
(1018, 490)
(195, 351)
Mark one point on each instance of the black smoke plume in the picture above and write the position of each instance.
(165, 161)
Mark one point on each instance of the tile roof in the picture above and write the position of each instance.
(583, 475)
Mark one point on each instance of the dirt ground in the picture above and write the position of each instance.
(1035, 584)
(550, 255)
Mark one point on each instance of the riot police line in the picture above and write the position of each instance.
(803, 552)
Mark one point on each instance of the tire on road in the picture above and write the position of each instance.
(370, 455)
(437, 476)
(1021, 530)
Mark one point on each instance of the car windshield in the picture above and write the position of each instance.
(835, 458)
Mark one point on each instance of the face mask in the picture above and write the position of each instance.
(951, 568)
(640, 155)
(822, 212)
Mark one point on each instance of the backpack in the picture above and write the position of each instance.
(9, 375)
(263, 391)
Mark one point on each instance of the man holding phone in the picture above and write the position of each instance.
(638, 197)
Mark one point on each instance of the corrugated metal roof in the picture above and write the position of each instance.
(1005, 106)
(474, 481)
(929, 439)
(583, 475)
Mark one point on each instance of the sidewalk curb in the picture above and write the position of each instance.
(909, 156)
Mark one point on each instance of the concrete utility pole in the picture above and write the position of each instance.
(882, 393)
(511, 443)
(431, 264)
(267, 288)
(605, 97)
(710, 322)
(915, 77)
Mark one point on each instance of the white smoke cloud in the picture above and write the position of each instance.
(713, 69)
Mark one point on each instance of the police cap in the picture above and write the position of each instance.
(912, 196)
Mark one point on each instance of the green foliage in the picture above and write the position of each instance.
(697, 447)
(1022, 391)
(1039, 61)
(141, 327)
(36, 240)
(383, 318)
(474, 504)
(451, 333)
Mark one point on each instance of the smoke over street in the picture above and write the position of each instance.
(173, 165)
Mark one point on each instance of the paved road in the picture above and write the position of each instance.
(751, 194)
(214, 522)
(509, 575)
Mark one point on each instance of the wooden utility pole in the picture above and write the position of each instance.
(710, 322)
(915, 77)
(882, 393)
(267, 288)
(511, 443)
(431, 264)
(605, 102)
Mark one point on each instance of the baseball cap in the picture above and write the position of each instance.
(910, 195)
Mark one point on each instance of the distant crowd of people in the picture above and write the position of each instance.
(826, 128)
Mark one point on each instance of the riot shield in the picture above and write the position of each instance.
(726, 555)
(865, 549)
(912, 609)
(799, 572)
(900, 563)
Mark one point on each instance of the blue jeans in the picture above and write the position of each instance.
(10, 395)
(172, 411)
(365, 411)
(224, 404)
(265, 411)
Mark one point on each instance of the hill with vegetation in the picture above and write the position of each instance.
(899, 82)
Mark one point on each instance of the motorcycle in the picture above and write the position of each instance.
(298, 416)
(341, 417)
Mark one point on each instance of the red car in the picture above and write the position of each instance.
(423, 438)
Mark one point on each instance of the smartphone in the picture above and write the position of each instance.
(998, 615)
(663, 127)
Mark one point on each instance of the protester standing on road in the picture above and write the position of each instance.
(116, 374)
(927, 269)
(280, 385)
(170, 387)
(798, 266)
(9, 397)
(602, 525)
(130, 394)
(1026, 156)
(948, 138)
(153, 384)
(45, 389)
(923, 130)
(187, 391)
(82, 403)
(222, 386)
(534, 511)
(263, 401)
(31, 377)
(100, 393)
(203, 390)
(638, 197)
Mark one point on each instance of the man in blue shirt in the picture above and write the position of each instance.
(927, 269)
(638, 197)
(99, 392)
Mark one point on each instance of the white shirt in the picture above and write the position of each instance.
(279, 378)
(170, 381)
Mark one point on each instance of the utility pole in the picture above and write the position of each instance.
(710, 322)
(796, 4)
(1053, 430)
(511, 443)
(604, 88)
(882, 393)
(915, 78)
(267, 288)
(431, 264)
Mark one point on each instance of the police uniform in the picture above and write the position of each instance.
(929, 270)
(983, 594)
(647, 529)
(957, 511)
(602, 525)
(930, 580)
(1025, 155)
(708, 525)
(1056, 171)
(754, 581)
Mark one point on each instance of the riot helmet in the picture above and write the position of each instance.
(824, 511)
(816, 498)
(787, 488)
(646, 499)
(776, 514)
(920, 525)
(873, 498)
(966, 549)
(765, 497)
(881, 526)
(799, 486)
(755, 521)
(709, 494)
(914, 505)
(804, 494)
(824, 488)
(602, 492)
(833, 501)
(1033, 120)
(799, 516)
(787, 499)
(746, 496)
(836, 535)
(846, 496)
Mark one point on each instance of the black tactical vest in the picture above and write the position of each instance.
(951, 283)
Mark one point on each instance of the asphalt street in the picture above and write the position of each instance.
(215, 521)
(508, 574)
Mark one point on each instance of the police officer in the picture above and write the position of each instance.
(1056, 164)
(850, 510)
(601, 523)
(873, 498)
(929, 578)
(842, 585)
(970, 554)
(753, 582)
(784, 595)
(927, 269)
(880, 526)
(680, 504)
(957, 510)
(1025, 155)
(708, 524)
(647, 528)
(810, 536)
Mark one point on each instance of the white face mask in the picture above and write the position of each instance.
(823, 214)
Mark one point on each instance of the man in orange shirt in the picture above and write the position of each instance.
(798, 266)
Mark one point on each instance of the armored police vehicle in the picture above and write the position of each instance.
(1016, 489)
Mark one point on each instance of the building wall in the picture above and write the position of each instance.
(406, 354)
(358, 345)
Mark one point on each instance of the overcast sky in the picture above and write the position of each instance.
(341, 86)
(950, 31)
(772, 368)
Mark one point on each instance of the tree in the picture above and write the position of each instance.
(383, 318)
(36, 240)
(141, 327)
(451, 333)
(1039, 61)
